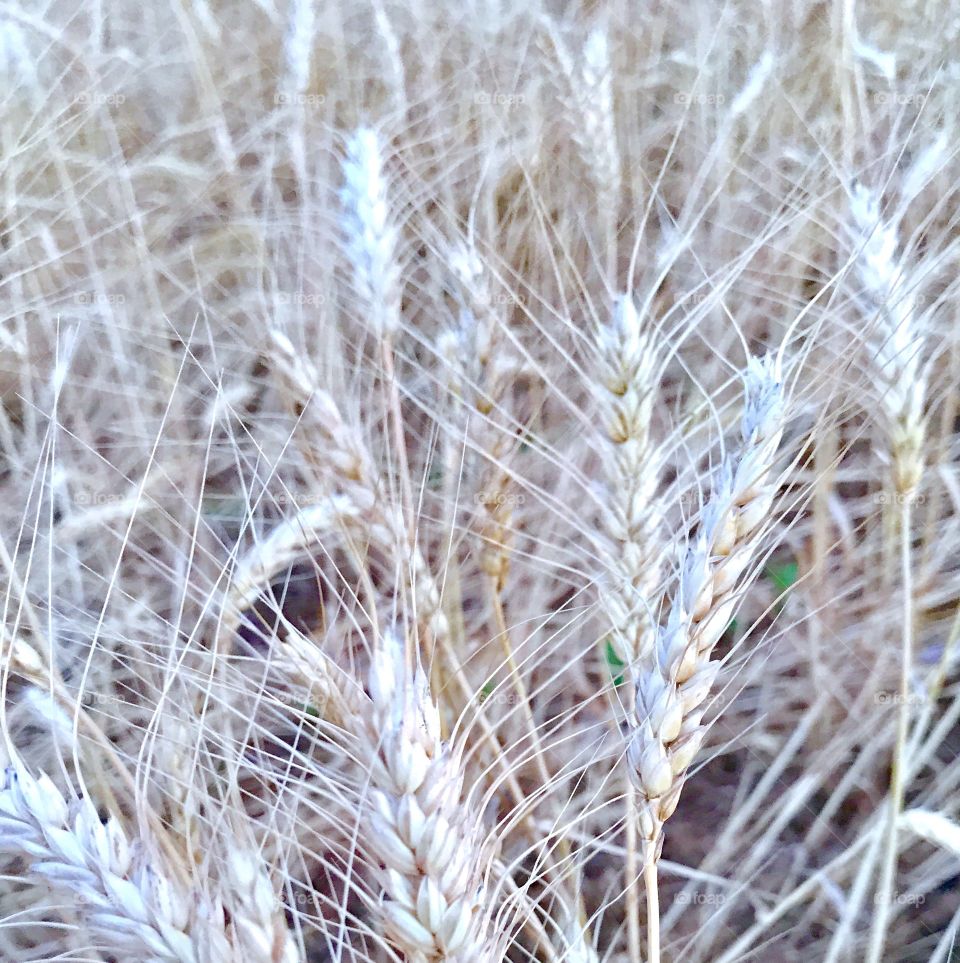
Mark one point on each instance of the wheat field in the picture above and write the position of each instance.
(479, 482)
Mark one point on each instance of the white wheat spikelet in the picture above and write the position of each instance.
(429, 843)
(576, 945)
(899, 344)
(598, 135)
(370, 234)
(675, 679)
(628, 376)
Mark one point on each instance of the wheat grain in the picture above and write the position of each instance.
(257, 931)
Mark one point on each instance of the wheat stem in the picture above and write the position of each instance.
(653, 910)
(898, 770)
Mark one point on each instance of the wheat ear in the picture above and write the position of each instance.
(126, 900)
(345, 468)
(430, 844)
(886, 300)
(898, 357)
(674, 680)
(482, 370)
(586, 90)
(628, 372)
(132, 906)
(370, 234)
(372, 238)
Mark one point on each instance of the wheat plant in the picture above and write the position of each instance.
(479, 482)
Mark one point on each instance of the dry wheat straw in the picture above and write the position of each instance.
(675, 678)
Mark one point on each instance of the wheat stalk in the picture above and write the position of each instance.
(674, 680)
(897, 361)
